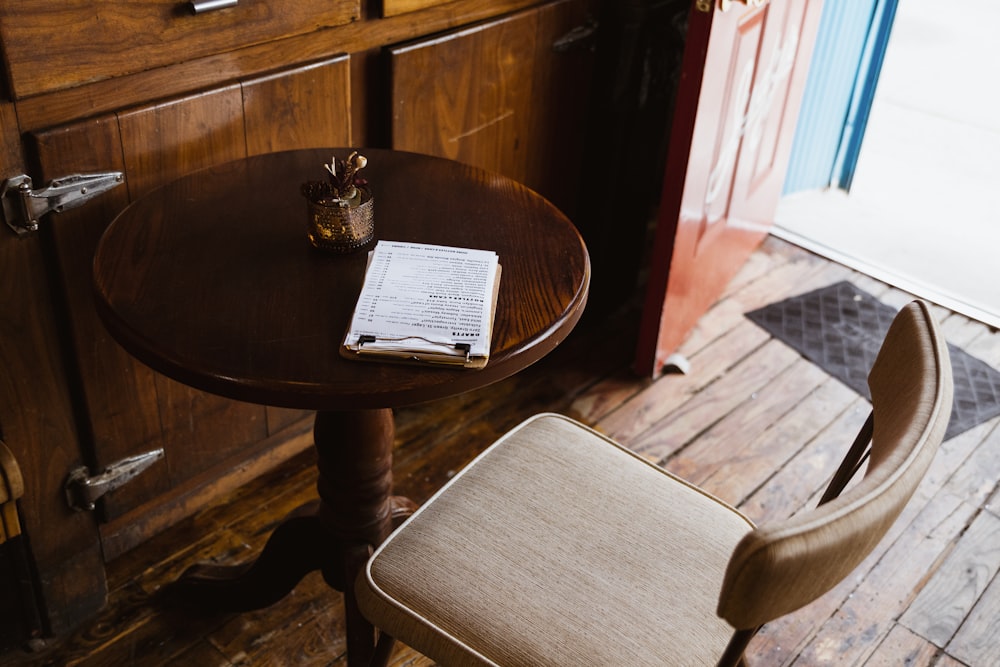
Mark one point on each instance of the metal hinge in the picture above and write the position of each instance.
(22, 206)
(83, 490)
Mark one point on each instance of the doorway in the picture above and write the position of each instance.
(920, 213)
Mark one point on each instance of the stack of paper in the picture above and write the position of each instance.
(426, 303)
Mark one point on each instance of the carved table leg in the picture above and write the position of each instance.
(355, 513)
(355, 489)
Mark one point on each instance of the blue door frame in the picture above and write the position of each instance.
(846, 63)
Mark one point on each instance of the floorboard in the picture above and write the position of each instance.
(751, 421)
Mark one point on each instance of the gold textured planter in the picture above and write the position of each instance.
(341, 226)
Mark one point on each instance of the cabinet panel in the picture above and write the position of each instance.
(108, 373)
(500, 96)
(466, 95)
(129, 407)
(54, 44)
(396, 7)
(165, 141)
(37, 421)
(299, 109)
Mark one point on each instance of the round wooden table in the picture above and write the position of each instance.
(212, 281)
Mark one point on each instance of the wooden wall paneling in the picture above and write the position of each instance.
(108, 39)
(303, 107)
(467, 95)
(131, 408)
(397, 7)
(10, 139)
(125, 90)
(162, 142)
(37, 419)
(119, 393)
(564, 65)
(201, 430)
(279, 419)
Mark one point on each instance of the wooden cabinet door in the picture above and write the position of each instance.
(210, 443)
(503, 95)
(55, 44)
(37, 423)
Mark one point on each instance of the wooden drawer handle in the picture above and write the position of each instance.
(201, 6)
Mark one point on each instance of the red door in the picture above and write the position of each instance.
(742, 79)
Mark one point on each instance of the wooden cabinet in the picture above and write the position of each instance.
(81, 41)
(507, 95)
(155, 92)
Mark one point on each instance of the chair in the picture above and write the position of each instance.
(557, 546)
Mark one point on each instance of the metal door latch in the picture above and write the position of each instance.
(22, 206)
(83, 491)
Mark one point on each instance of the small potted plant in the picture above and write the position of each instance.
(341, 217)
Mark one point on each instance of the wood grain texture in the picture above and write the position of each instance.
(163, 141)
(210, 281)
(37, 418)
(396, 7)
(467, 95)
(193, 74)
(502, 97)
(299, 108)
(157, 267)
(132, 409)
(194, 488)
(852, 625)
(151, 145)
(975, 642)
(947, 599)
(111, 39)
(119, 393)
(902, 647)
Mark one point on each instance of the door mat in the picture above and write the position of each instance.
(840, 328)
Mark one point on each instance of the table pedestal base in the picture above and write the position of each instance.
(355, 513)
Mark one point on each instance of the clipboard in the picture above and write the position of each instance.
(425, 304)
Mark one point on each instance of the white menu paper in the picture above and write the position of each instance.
(426, 303)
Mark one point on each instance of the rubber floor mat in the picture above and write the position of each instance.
(840, 328)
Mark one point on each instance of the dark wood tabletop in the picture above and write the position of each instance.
(212, 281)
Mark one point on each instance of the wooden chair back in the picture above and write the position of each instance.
(783, 565)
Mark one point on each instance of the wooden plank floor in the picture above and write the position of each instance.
(753, 422)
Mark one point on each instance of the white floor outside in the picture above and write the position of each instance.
(924, 209)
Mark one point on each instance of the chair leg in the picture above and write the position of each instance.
(383, 650)
(733, 656)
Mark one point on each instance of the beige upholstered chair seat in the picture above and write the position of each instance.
(581, 555)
